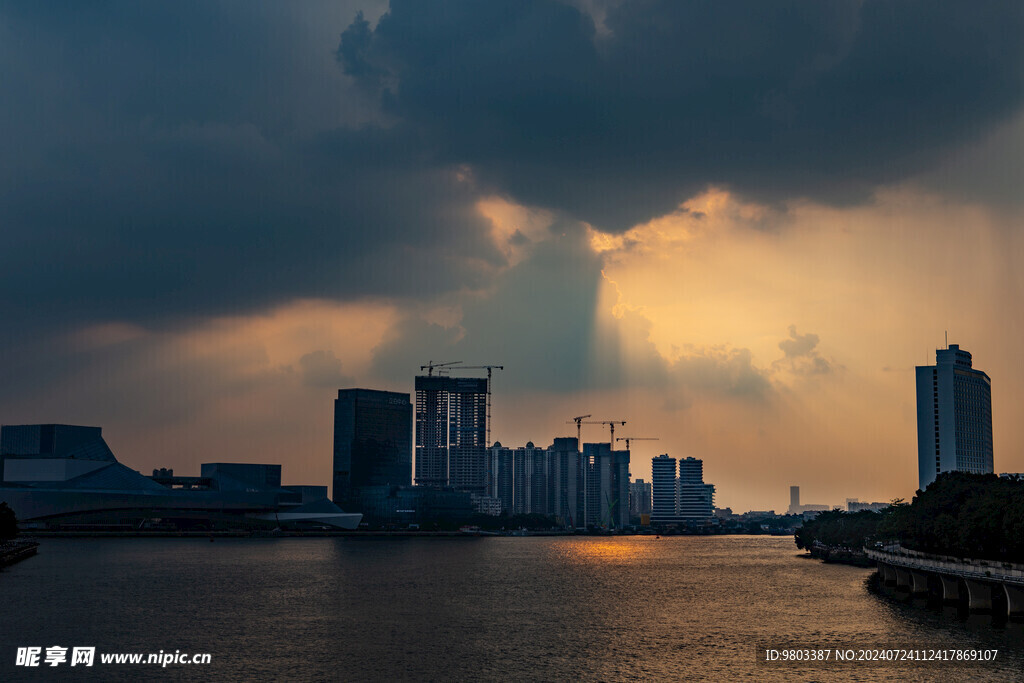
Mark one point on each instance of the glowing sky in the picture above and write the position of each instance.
(737, 226)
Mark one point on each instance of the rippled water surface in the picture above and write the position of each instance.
(470, 608)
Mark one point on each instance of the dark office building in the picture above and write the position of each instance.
(372, 442)
(451, 432)
(403, 505)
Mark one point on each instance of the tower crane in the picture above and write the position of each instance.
(627, 439)
(488, 368)
(580, 421)
(429, 367)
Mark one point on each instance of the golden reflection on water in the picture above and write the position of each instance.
(600, 550)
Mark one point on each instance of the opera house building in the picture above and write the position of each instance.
(66, 477)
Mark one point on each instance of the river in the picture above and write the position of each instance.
(543, 608)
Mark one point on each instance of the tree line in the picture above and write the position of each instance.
(965, 515)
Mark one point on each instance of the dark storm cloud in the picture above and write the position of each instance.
(200, 158)
(778, 100)
(207, 158)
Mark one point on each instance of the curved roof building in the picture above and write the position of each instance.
(65, 476)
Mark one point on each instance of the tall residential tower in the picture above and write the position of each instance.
(954, 417)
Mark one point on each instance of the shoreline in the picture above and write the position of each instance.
(16, 551)
(37, 534)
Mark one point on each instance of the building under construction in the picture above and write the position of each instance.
(451, 432)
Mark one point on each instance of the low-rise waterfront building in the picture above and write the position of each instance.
(65, 476)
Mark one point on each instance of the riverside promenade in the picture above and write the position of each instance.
(984, 585)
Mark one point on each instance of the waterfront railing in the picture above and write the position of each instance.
(985, 570)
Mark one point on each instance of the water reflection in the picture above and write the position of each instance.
(605, 550)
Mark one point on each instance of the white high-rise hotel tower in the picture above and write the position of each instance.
(954, 416)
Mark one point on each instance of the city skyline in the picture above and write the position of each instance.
(216, 220)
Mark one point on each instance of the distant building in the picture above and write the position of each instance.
(372, 442)
(663, 488)
(530, 479)
(588, 488)
(500, 476)
(795, 508)
(518, 478)
(639, 498)
(857, 506)
(451, 432)
(954, 417)
(682, 499)
(564, 480)
(603, 487)
(486, 505)
(696, 500)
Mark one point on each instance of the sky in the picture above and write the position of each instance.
(737, 226)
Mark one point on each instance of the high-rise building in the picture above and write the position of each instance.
(500, 478)
(372, 442)
(563, 479)
(695, 499)
(954, 417)
(602, 491)
(451, 432)
(530, 475)
(520, 478)
(663, 488)
(685, 498)
(581, 489)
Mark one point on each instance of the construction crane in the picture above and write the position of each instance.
(627, 439)
(581, 420)
(489, 369)
(578, 421)
(611, 510)
(429, 367)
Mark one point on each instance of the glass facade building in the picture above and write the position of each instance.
(954, 417)
(372, 442)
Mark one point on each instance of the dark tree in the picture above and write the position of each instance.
(979, 516)
(8, 523)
